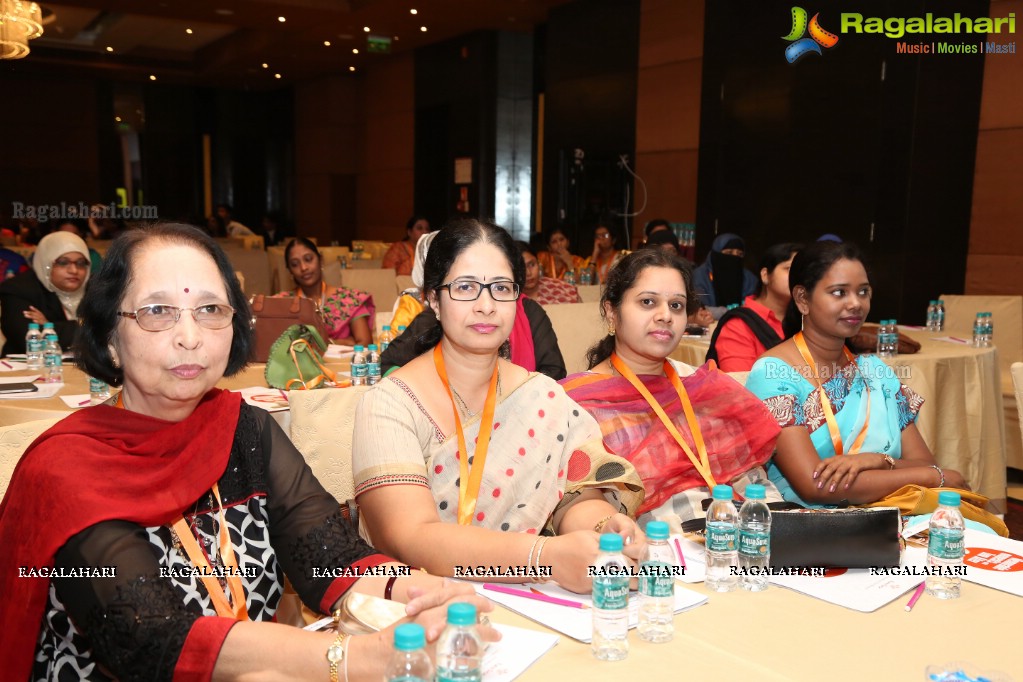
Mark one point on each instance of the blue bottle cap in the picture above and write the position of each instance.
(387, 327)
(409, 637)
(610, 542)
(462, 613)
(33, 325)
(655, 530)
(722, 492)
(949, 498)
(359, 349)
(372, 346)
(755, 491)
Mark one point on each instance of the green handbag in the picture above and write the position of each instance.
(296, 360)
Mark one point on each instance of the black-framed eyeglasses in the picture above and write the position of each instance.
(79, 263)
(469, 290)
(158, 317)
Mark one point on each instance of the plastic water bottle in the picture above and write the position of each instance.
(409, 662)
(989, 330)
(657, 586)
(932, 316)
(584, 276)
(570, 276)
(610, 601)
(882, 338)
(53, 358)
(893, 338)
(754, 540)
(722, 541)
(386, 337)
(34, 347)
(941, 316)
(460, 649)
(99, 391)
(979, 327)
(372, 365)
(401, 330)
(360, 367)
(946, 546)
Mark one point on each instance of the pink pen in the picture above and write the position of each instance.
(916, 596)
(533, 595)
(7, 365)
(681, 556)
(85, 402)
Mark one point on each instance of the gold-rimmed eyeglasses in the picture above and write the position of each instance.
(158, 317)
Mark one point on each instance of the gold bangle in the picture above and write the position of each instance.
(603, 522)
(539, 551)
(890, 461)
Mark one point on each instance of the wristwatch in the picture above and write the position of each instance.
(336, 650)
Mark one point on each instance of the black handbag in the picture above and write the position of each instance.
(839, 538)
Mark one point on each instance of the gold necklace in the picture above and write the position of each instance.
(464, 407)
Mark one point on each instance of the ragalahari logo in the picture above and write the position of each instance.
(801, 46)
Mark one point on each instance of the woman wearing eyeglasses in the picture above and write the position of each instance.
(149, 538)
(49, 292)
(459, 444)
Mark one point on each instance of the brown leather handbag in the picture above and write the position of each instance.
(272, 316)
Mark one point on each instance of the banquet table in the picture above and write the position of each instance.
(780, 635)
(962, 420)
(77, 382)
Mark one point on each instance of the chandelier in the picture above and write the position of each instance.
(19, 22)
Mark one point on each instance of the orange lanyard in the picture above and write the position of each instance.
(198, 559)
(469, 483)
(234, 582)
(702, 463)
(829, 412)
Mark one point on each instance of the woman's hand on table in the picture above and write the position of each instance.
(837, 473)
(633, 539)
(429, 608)
(954, 479)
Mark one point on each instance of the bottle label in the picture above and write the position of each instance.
(360, 370)
(373, 369)
(50, 360)
(611, 594)
(946, 543)
(35, 346)
(97, 386)
(655, 579)
(754, 543)
(722, 537)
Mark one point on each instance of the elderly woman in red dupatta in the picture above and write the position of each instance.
(148, 538)
(685, 429)
(462, 458)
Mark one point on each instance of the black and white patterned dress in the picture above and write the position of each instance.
(133, 626)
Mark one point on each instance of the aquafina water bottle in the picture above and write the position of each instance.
(360, 367)
(754, 540)
(610, 601)
(946, 547)
(460, 649)
(657, 586)
(722, 541)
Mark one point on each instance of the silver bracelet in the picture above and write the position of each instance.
(543, 541)
(940, 473)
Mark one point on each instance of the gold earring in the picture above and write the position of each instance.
(610, 331)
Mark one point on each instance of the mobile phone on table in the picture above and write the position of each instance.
(23, 387)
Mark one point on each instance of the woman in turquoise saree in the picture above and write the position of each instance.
(848, 424)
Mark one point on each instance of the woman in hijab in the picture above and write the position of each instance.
(722, 281)
(410, 301)
(49, 292)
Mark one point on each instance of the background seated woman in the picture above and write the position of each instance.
(402, 255)
(460, 444)
(743, 334)
(544, 290)
(558, 260)
(347, 313)
(173, 479)
(848, 423)
(49, 292)
(684, 429)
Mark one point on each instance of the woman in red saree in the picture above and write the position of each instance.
(684, 429)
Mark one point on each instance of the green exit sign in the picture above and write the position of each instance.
(378, 44)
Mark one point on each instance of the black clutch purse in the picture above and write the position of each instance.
(840, 538)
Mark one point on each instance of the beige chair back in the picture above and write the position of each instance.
(589, 292)
(322, 423)
(14, 440)
(379, 283)
(1017, 381)
(403, 282)
(1007, 311)
(577, 326)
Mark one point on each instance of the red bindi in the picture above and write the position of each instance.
(186, 290)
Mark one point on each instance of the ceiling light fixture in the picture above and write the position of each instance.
(152, 78)
(281, 19)
(188, 31)
(20, 22)
(412, 11)
(117, 118)
(423, 29)
(365, 29)
(277, 76)
(355, 50)
(109, 49)
(265, 65)
(326, 43)
(351, 68)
